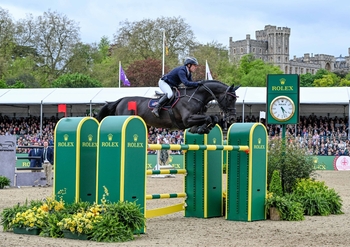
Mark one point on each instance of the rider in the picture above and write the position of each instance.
(181, 74)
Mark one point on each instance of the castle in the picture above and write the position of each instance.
(272, 45)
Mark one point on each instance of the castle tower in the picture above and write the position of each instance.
(277, 39)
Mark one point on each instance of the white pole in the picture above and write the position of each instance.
(206, 68)
(163, 52)
(119, 73)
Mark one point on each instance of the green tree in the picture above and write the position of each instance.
(320, 73)
(306, 80)
(24, 70)
(144, 39)
(229, 72)
(7, 30)
(329, 80)
(105, 67)
(254, 71)
(213, 53)
(75, 81)
(83, 58)
(54, 36)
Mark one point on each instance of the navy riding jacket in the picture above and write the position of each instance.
(179, 75)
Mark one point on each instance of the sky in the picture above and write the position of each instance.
(317, 26)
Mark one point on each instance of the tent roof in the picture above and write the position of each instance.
(247, 95)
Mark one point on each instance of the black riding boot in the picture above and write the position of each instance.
(162, 101)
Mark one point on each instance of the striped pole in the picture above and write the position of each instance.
(165, 196)
(194, 147)
(172, 171)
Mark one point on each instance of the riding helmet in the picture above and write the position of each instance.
(191, 60)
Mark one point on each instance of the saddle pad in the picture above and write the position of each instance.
(153, 102)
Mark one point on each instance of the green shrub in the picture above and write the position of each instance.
(276, 184)
(291, 161)
(317, 198)
(118, 223)
(288, 208)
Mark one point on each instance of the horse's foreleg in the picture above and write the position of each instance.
(199, 124)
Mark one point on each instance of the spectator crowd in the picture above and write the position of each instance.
(318, 135)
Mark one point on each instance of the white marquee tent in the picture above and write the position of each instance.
(322, 101)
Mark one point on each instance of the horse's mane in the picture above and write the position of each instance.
(204, 82)
(215, 81)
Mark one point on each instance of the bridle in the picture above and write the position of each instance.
(228, 93)
(226, 108)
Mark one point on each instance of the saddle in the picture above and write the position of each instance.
(171, 103)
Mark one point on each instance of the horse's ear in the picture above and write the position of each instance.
(233, 88)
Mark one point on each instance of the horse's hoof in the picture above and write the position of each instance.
(203, 130)
(214, 119)
(193, 130)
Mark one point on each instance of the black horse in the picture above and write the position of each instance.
(188, 108)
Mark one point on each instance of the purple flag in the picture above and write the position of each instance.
(123, 77)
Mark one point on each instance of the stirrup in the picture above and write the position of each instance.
(155, 112)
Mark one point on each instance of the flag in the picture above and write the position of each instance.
(166, 47)
(123, 77)
(62, 108)
(207, 71)
(132, 106)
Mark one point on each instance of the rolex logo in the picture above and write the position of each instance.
(65, 137)
(214, 140)
(90, 137)
(259, 141)
(110, 137)
(282, 81)
(135, 137)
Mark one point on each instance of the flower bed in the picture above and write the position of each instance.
(105, 222)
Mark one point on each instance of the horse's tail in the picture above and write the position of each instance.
(107, 110)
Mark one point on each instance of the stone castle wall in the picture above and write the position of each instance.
(272, 45)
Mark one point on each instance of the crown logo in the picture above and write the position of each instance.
(282, 81)
(65, 137)
(135, 137)
(110, 137)
(214, 140)
(90, 137)
(259, 141)
(170, 159)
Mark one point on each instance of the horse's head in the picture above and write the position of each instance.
(227, 102)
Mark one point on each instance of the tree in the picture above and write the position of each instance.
(145, 73)
(144, 39)
(54, 37)
(254, 71)
(212, 52)
(306, 80)
(75, 81)
(329, 80)
(83, 58)
(7, 30)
